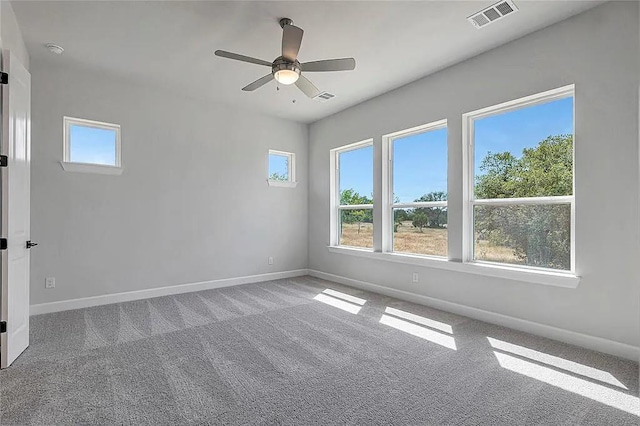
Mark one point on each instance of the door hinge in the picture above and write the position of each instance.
(3, 243)
(4, 161)
(4, 78)
(3, 326)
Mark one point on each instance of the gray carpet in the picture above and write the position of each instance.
(277, 353)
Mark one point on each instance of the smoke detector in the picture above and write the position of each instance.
(493, 13)
(54, 48)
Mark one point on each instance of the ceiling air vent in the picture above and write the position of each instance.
(324, 96)
(493, 13)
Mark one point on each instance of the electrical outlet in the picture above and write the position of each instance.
(270, 260)
(50, 282)
(415, 278)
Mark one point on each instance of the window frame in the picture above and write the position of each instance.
(336, 207)
(74, 166)
(387, 189)
(468, 179)
(291, 169)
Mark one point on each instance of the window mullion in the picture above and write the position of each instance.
(564, 199)
(419, 205)
(355, 206)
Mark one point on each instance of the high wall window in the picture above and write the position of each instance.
(418, 190)
(281, 168)
(353, 195)
(91, 146)
(520, 208)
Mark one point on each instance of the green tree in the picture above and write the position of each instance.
(498, 172)
(352, 197)
(400, 216)
(436, 216)
(278, 176)
(543, 171)
(538, 234)
(420, 220)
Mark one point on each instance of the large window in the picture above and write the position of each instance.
(520, 205)
(91, 146)
(353, 195)
(418, 190)
(508, 209)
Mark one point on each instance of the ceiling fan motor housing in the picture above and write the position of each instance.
(282, 64)
(285, 21)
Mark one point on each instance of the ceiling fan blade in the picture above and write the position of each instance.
(242, 58)
(291, 41)
(258, 83)
(344, 64)
(307, 87)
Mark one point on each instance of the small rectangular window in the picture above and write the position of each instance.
(354, 195)
(418, 182)
(91, 146)
(281, 168)
(521, 203)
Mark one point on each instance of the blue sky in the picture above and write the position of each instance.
(420, 165)
(92, 145)
(524, 128)
(356, 170)
(278, 164)
(420, 161)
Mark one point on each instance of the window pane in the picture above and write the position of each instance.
(278, 167)
(92, 145)
(356, 228)
(421, 230)
(531, 235)
(356, 176)
(526, 152)
(420, 167)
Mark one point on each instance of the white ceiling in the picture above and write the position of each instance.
(171, 44)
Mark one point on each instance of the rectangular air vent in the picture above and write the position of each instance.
(492, 13)
(324, 96)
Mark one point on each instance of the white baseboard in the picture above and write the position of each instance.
(85, 302)
(583, 340)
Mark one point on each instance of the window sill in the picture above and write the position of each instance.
(551, 278)
(91, 168)
(282, 184)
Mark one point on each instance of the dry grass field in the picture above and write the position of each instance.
(492, 253)
(432, 242)
(351, 237)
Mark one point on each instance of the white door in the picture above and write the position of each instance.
(16, 145)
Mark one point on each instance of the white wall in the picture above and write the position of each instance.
(11, 34)
(192, 204)
(598, 51)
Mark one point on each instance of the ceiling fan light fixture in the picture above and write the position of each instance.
(285, 72)
(286, 77)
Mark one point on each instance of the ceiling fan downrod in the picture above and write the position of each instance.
(285, 21)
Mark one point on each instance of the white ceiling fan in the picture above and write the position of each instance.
(286, 69)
